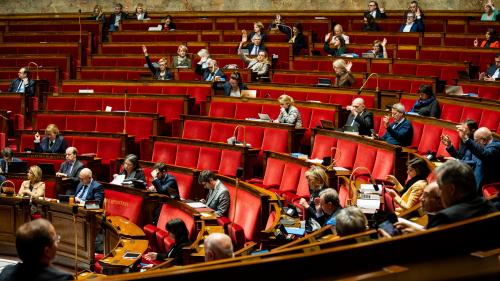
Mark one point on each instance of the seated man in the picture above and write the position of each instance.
(253, 48)
(218, 195)
(164, 183)
(330, 206)
(359, 118)
(7, 158)
(36, 245)
(88, 188)
(414, 23)
(493, 72)
(350, 220)
(23, 84)
(218, 246)
(71, 168)
(400, 132)
(116, 18)
(213, 72)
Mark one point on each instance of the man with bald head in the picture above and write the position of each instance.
(218, 246)
(213, 72)
(88, 188)
(359, 118)
(71, 167)
(431, 199)
(487, 150)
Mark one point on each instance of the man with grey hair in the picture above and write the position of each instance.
(399, 132)
(218, 246)
(359, 118)
(71, 167)
(330, 206)
(218, 195)
(88, 188)
(255, 47)
(350, 220)
(213, 72)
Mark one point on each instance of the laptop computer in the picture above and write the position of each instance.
(368, 55)
(47, 169)
(454, 90)
(324, 82)
(63, 198)
(248, 93)
(139, 184)
(18, 167)
(265, 117)
(350, 130)
(327, 124)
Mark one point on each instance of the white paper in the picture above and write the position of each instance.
(196, 205)
(341, 169)
(411, 223)
(315, 161)
(373, 204)
(368, 188)
(118, 180)
(108, 108)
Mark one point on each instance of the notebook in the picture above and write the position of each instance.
(248, 93)
(368, 55)
(264, 117)
(454, 90)
(327, 124)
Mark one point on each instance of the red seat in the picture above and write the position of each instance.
(164, 152)
(198, 130)
(490, 119)
(222, 109)
(230, 160)
(81, 123)
(247, 110)
(322, 146)
(345, 153)
(430, 139)
(220, 132)
(209, 159)
(187, 156)
(383, 165)
(275, 140)
(365, 157)
(418, 129)
(491, 189)
(453, 134)
(124, 204)
(451, 112)
(109, 124)
(471, 113)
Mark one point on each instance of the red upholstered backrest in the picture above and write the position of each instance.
(343, 100)
(303, 186)
(185, 184)
(89, 104)
(168, 213)
(198, 130)
(383, 165)
(245, 210)
(123, 204)
(209, 159)
(230, 160)
(417, 133)
(83, 123)
(187, 155)
(407, 102)
(274, 172)
(451, 112)
(171, 109)
(222, 109)
(321, 114)
(109, 124)
(61, 103)
(50, 188)
(254, 136)
(430, 139)
(247, 110)
(164, 152)
(142, 105)
(273, 110)
(199, 93)
(322, 146)
(365, 157)
(220, 132)
(291, 177)
(109, 149)
(140, 127)
(453, 134)
(471, 113)
(275, 140)
(42, 120)
(321, 97)
(85, 145)
(305, 114)
(114, 103)
(345, 153)
(11, 103)
(490, 119)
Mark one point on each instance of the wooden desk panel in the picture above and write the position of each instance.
(14, 211)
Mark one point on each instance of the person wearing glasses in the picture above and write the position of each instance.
(359, 118)
(218, 194)
(36, 246)
(414, 23)
(375, 11)
(400, 131)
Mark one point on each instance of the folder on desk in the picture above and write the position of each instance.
(295, 231)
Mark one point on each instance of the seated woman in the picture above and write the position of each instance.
(233, 87)
(131, 169)
(259, 65)
(163, 73)
(490, 12)
(98, 15)
(289, 114)
(33, 187)
(294, 37)
(258, 29)
(491, 41)
(178, 232)
(53, 142)
(140, 12)
(343, 71)
(202, 65)
(337, 31)
(379, 49)
(337, 49)
(427, 104)
(317, 181)
(418, 171)
(169, 24)
(369, 23)
(182, 60)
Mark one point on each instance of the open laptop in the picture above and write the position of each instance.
(265, 117)
(368, 55)
(248, 93)
(18, 167)
(47, 169)
(324, 82)
(454, 90)
(350, 130)
(63, 198)
(327, 124)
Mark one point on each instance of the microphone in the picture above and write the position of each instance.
(34, 63)
(74, 210)
(268, 95)
(80, 24)
(125, 112)
(368, 78)
(244, 135)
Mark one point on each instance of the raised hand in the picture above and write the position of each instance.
(386, 120)
(144, 50)
(445, 139)
(348, 66)
(37, 137)
(392, 179)
(476, 43)
(384, 42)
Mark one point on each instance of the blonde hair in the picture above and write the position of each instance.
(319, 174)
(140, 5)
(259, 25)
(340, 63)
(203, 52)
(165, 60)
(286, 99)
(339, 27)
(37, 173)
(99, 8)
(183, 47)
(52, 128)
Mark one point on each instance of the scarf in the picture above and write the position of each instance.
(411, 182)
(422, 103)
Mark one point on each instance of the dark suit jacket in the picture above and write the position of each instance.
(489, 156)
(112, 19)
(218, 72)
(378, 15)
(250, 46)
(3, 163)
(156, 71)
(300, 41)
(59, 146)
(218, 199)
(401, 135)
(227, 88)
(29, 90)
(21, 271)
(470, 208)
(431, 110)
(167, 185)
(74, 173)
(418, 26)
(96, 191)
(174, 253)
(491, 70)
(363, 121)
(135, 175)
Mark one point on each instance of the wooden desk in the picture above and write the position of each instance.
(125, 228)
(115, 262)
(14, 211)
(198, 254)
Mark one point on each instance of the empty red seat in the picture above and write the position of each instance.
(124, 204)
(187, 156)
(198, 130)
(164, 152)
(209, 159)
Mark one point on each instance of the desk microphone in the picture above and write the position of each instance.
(368, 78)
(35, 64)
(125, 112)
(74, 210)
(80, 25)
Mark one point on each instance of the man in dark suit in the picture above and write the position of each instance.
(375, 11)
(213, 72)
(23, 84)
(88, 188)
(256, 46)
(53, 142)
(487, 150)
(164, 183)
(7, 157)
(218, 195)
(493, 72)
(117, 17)
(414, 23)
(36, 245)
(400, 132)
(71, 168)
(359, 118)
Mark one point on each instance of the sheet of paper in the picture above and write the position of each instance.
(368, 203)
(118, 180)
(196, 205)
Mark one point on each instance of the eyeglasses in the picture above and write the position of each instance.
(371, 5)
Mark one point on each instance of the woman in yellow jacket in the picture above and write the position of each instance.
(33, 187)
(418, 171)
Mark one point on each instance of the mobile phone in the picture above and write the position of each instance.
(388, 227)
